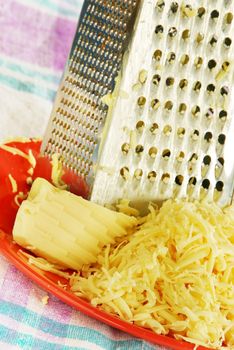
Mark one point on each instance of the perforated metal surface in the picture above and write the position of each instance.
(173, 124)
(78, 116)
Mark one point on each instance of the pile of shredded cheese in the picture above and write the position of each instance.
(174, 275)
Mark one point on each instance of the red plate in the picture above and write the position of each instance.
(18, 167)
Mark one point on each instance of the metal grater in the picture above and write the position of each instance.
(79, 115)
(166, 130)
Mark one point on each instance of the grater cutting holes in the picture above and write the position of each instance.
(168, 122)
(79, 113)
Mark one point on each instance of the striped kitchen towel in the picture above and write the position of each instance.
(35, 37)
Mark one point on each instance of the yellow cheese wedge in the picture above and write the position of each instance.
(64, 228)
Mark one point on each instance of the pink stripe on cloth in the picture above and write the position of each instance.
(57, 310)
(15, 287)
(81, 320)
(33, 36)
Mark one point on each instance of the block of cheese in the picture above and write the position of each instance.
(64, 228)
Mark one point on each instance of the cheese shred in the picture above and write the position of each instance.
(14, 151)
(19, 198)
(174, 275)
(17, 152)
(57, 172)
(13, 183)
(44, 265)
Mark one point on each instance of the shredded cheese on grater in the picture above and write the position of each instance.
(174, 275)
(57, 172)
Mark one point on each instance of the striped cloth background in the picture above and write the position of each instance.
(35, 37)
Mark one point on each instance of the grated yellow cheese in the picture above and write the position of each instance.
(30, 171)
(57, 172)
(21, 139)
(13, 184)
(174, 275)
(44, 265)
(45, 300)
(19, 197)
(29, 180)
(15, 151)
(125, 208)
(62, 285)
(187, 11)
(31, 159)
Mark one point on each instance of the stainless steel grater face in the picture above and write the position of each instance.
(168, 128)
(79, 114)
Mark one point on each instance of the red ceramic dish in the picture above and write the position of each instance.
(18, 167)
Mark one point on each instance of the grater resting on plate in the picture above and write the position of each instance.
(145, 108)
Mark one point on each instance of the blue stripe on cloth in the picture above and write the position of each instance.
(46, 325)
(74, 2)
(60, 9)
(22, 68)
(27, 87)
(29, 342)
